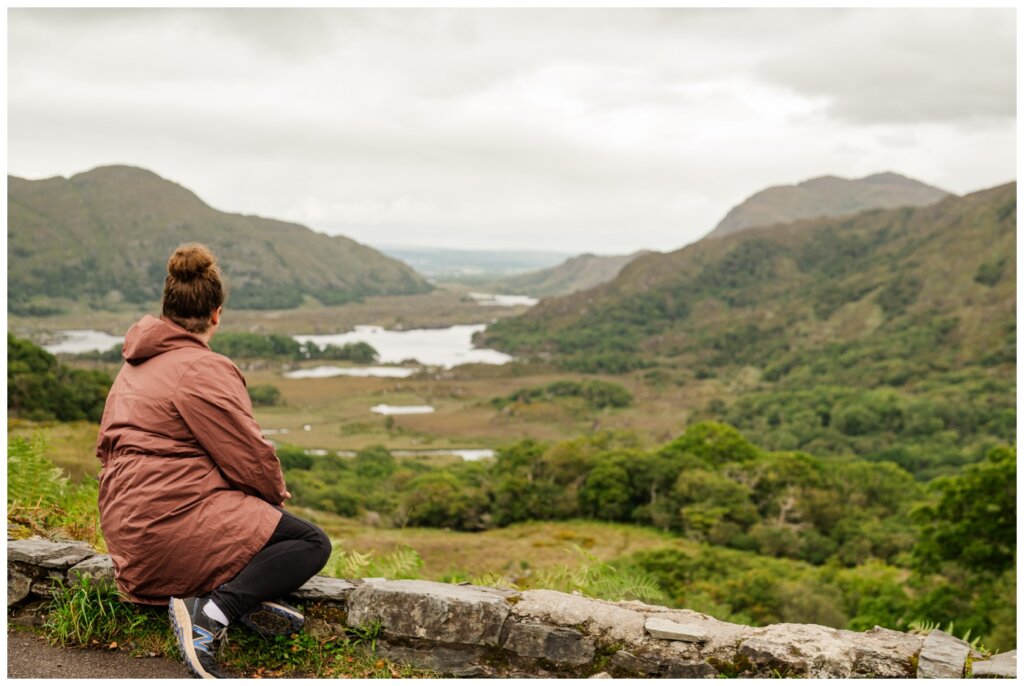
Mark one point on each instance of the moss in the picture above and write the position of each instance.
(331, 614)
(731, 669)
(602, 658)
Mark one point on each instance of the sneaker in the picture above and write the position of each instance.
(273, 618)
(198, 636)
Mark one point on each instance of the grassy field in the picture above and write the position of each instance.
(337, 410)
(510, 551)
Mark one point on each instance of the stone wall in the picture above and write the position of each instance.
(465, 630)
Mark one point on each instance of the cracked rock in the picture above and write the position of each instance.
(942, 657)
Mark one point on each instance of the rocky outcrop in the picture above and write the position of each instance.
(466, 630)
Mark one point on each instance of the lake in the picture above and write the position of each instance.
(327, 371)
(467, 454)
(446, 347)
(74, 341)
(497, 300)
(402, 409)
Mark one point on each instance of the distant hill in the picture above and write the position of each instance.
(575, 274)
(471, 265)
(804, 322)
(826, 196)
(105, 235)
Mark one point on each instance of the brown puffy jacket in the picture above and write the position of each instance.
(189, 484)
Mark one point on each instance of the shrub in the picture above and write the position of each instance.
(40, 388)
(265, 395)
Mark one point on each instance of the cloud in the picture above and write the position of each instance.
(603, 130)
(896, 66)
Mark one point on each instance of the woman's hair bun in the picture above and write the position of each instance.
(190, 261)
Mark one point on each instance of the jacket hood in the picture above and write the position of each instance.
(151, 336)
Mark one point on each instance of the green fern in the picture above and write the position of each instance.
(598, 579)
(41, 500)
(923, 627)
(32, 480)
(495, 580)
(402, 563)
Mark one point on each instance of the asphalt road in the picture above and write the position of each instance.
(30, 657)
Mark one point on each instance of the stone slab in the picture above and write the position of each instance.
(321, 588)
(49, 554)
(98, 567)
(659, 627)
(942, 656)
(1002, 665)
(432, 610)
(600, 618)
(558, 644)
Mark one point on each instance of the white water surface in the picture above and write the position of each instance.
(76, 341)
(402, 409)
(499, 300)
(467, 454)
(327, 371)
(437, 347)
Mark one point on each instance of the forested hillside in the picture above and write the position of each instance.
(889, 334)
(104, 237)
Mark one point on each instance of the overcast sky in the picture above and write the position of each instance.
(582, 130)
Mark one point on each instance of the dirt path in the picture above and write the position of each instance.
(30, 657)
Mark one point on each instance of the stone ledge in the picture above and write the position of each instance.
(479, 631)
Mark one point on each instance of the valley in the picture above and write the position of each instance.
(766, 414)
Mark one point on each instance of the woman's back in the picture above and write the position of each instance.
(185, 466)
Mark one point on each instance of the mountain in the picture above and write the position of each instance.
(472, 265)
(575, 274)
(105, 235)
(889, 333)
(826, 196)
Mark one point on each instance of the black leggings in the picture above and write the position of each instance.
(295, 552)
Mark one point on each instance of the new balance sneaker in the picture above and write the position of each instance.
(198, 636)
(273, 618)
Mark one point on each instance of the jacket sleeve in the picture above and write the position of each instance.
(212, 400)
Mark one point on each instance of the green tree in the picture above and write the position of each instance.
(974, 519)
(605, 493)
(374, 463)
(713, 443)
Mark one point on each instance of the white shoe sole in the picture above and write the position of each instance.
(181, 620)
